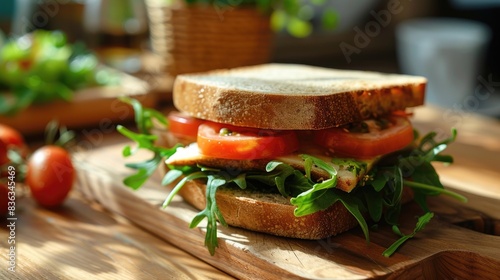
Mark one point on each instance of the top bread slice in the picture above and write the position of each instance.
(291, 96)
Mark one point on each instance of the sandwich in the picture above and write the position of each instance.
(292, 150)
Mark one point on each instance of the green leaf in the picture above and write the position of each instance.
(355, 208)
(138, 113)
(181, 183)
(379, 182)
(144, 141)
(313, 202)
(307, 199)
(127, 151)
(277, 174)
(432, 189)
(426, 174)
(392, 213)
(443, 158)
(171, 176)
(144, 171)
(330, 19)
(421, 223)
(396, 230)
(240, 181)
(211, 213)
(374, 203)
(319, 163)
(291, 6)
(279, 20)
(315, 198)
(298, 27)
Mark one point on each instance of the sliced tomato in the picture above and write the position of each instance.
(397, 135)
(182, 125)
(230, 142)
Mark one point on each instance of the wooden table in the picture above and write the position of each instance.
(81, 240)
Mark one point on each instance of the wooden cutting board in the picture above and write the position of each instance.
(96, 107)
(461, 242)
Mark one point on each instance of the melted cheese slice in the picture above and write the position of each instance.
(349, 172)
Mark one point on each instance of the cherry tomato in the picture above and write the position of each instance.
(396, 136)
(50, 175)
(182, 125)
(3, 153)
(4, 199)
(13, 138)
(230, 142)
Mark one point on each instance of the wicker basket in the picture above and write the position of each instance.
(199, 38)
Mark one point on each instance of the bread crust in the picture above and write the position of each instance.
(288, 96)
(273, 213)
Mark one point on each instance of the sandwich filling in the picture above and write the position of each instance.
(351, 150)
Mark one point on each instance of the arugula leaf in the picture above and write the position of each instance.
(145, 140)
(421, 223)
(319, 163)
(211, 212)
(356, 208)
(215, 179)
(144, 117)
(144, 171)
(317, 197)
(276, 174)
(419, 186)
(374, 203)
(175, 190)
(171, 176)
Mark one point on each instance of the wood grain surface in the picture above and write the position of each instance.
(462, 242)
(81, 240)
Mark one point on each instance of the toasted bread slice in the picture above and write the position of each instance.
(273, 213)
(289, 96)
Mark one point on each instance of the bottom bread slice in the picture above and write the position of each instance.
(272, 213)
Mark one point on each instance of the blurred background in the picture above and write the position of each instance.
(141, 37)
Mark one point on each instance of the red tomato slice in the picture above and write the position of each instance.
(244, 143)
(396, 136)
(182, 125)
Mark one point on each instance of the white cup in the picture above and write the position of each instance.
(448, 52)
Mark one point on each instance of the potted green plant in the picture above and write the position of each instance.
(199, 35)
